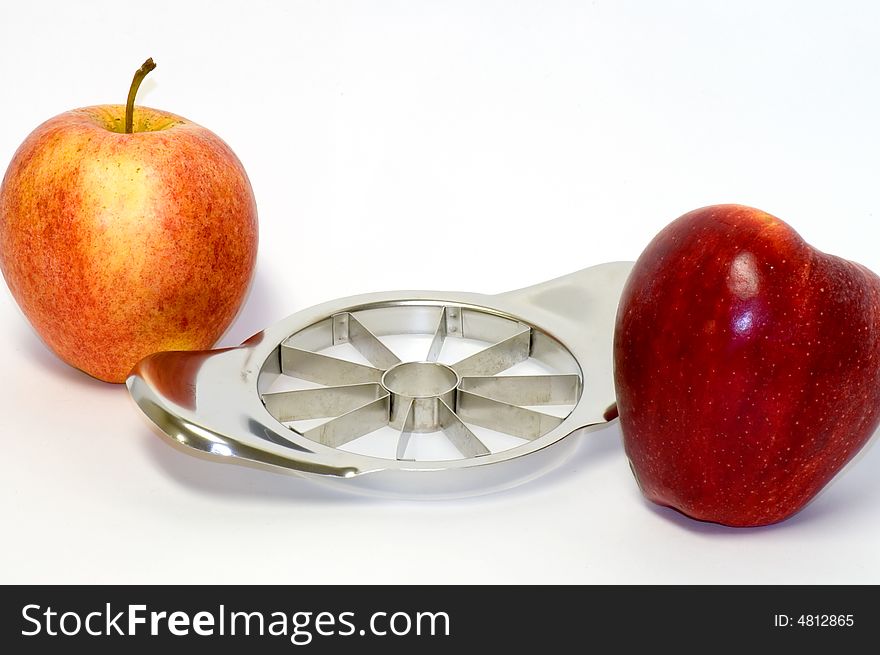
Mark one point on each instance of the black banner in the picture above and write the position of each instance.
(431, 619)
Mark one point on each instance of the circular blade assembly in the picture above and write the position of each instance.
(406, 394)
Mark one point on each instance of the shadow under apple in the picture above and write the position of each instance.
(594, 447)
(38, 353)
(262, 307)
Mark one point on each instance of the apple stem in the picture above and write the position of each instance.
(139, 76)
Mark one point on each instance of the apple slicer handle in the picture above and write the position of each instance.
(206, 401)
(579, 296)
(583, 307)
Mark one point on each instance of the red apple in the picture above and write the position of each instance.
(747, 366)
(117, 245)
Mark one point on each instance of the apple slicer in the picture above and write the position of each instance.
(405, 394)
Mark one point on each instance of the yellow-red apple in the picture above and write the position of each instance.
(117, 245)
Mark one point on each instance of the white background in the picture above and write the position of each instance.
(477, 146)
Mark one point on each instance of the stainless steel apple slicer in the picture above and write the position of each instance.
(404, 394)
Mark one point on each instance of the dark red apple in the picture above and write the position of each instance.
(747, 366)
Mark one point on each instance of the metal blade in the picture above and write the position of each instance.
(314, 367)
(348, 329)
(526, 389)
(497, 357)
(406, 432)
(350, 426)
(467, 443)
(503, 417)
(439, 338)
(306, 404)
